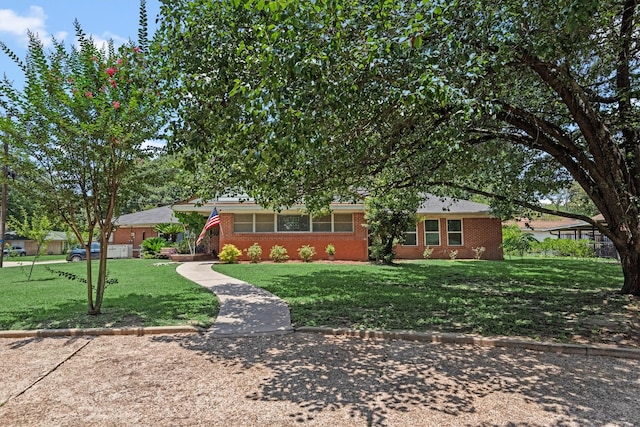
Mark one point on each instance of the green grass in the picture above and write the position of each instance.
(541, 298)
(29, 258)
(145, 295)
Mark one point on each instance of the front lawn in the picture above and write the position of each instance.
(541, 298)
(147, 293)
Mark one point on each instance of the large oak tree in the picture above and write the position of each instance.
(293, 100)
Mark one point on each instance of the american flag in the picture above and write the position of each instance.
(214, 219)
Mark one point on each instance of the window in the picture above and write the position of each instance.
(322, 224)
(432, 232)
(288, 223)
(242, 223)
(342, 223)
(411, 236)
(264, 223)
(454, 232)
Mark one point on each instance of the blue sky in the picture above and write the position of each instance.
(112, 19)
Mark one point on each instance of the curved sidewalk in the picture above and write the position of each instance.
(244, 309)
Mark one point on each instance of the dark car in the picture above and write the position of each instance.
(80, 254)
(15, 251)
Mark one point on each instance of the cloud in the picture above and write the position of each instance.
(16, 25)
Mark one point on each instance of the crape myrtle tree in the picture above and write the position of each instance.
(77, 131)
(292, 100)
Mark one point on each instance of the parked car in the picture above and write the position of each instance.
(15, 251)
(80, 254)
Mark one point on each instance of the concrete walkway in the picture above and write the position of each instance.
(244, 309)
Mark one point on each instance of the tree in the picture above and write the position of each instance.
(388, 217)
(510, 100)
(78, 127)
(37, 228)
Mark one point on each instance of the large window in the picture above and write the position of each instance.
(342, 223)
(411, 236)
(269, 223)
(243, 223)
(454, 232)
(432, 232)
(322, 224)
(288, 223)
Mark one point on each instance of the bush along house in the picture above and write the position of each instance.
(444, 225)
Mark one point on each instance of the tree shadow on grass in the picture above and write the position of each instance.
(537, 300)
(130, 310)
(379, 381)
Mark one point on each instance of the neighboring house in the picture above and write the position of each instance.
(132, 229)
(57, 243)
(567, 228)
(445, 224)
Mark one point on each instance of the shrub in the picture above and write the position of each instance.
(453, 255)
(151, 247)
(567, 247)
(306, 253)
(477, 252)
(278, 254)
(330, 249)
(427, 252)
(229, 254)
(254, 252)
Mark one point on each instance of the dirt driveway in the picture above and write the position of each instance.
(305, 379)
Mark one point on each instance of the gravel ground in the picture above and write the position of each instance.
(305, 379)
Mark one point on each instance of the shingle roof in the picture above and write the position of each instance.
(435, 204)
(151, 217)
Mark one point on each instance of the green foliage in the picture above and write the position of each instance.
(388, 218)
(515, 242)
(582, 248)
(306, 252)
(278, 254)
(513, 101)
(229, 254)
(254, 252)
(152, 246)
(171, 230)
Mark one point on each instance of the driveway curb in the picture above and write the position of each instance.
(152, 330)
(450, 338)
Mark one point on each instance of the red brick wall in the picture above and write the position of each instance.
(349, 246)
(476, 232)
(133, 236)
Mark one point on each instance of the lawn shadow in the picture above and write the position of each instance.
(376, 381)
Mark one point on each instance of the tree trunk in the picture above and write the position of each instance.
(630, 260)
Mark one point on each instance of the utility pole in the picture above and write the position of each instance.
(3, 208)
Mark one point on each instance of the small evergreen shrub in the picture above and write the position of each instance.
(151, 247)
(427, 252)
(278, 254)
(254, 252)
(229, 254)
(306, 253)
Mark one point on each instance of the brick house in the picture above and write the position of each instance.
(132, 229)
(443, 224)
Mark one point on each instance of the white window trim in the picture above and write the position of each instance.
(461, 232)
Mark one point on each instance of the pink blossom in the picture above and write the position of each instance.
(137, 49)
(116, 104)
(111, 71)
(88, 94)
(119, 61)
(112, 83)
